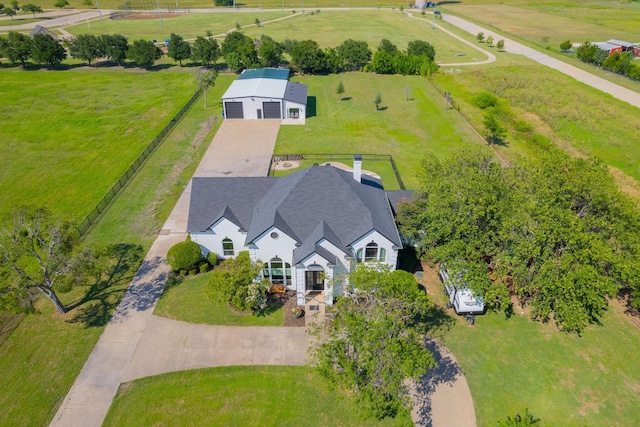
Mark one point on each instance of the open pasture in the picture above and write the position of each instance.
(69, 135)
(189, 25)
(330, 28)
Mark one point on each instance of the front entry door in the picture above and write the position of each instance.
(259, 113)
(314, 280)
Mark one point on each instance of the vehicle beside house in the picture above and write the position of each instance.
(459, 297)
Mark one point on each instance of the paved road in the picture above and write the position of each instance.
(585, 77)
(58, 19)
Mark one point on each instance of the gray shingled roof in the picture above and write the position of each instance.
(398, 197)
(308, 205)
(233, 198)
(296, 92)
(303, 199)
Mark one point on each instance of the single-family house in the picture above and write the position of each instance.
(265, 93)
(310, 228)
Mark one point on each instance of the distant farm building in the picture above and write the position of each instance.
(38, 29)
(612, 46)
(266, 93)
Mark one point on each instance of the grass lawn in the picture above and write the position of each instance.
(44, 354)
(235, 396)
(188, 25)
(70, 134)
(566, 380)
(408, 130)
(335, 27)
(188, 301)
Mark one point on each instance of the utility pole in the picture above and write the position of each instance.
(159, 13)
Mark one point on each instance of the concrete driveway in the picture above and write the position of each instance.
(240, 148)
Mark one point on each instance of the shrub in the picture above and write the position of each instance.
(231, 281)
(184, 255)
(566, 45)
(257, 295)
(522, 126)
(212, 258)
(485, 100)
(480, 37)
(204, 267)
(183, 272)
(193, 272)
(223, 2)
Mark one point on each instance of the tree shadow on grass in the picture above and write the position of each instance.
(114, 272)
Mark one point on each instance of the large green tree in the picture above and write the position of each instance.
(29, 7)
(18, 47)
(46, 50)
(179, 48)
(239, 51)
(421, 48)
(37, 254)
(9, 12)
(114, 47)
(307, 57)
(375, 342)
(205, 50)
(144, 53)
(270, 51)
(87, 47)
(553, 230)
(353, 54)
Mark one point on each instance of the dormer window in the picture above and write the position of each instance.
(371, 253)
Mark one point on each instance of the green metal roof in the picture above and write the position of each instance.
(265, 73)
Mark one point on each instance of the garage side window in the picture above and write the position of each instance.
(227, 247)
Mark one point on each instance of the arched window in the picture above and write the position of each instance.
(227, 247)
(371, 252)
(278, 272)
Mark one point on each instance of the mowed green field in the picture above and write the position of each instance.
(189, 26)
(408, 130)
(330, 28)
(69, 135)
(334, 27)
(236, 396)
(556, 22)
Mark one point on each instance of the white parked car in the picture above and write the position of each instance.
(461, 298)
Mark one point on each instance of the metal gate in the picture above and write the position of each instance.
(233, 110)
(271, 110)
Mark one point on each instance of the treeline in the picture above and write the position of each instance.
(306, 56)
(44, 49)
(552, 231)
(238, 50)
(619, 62)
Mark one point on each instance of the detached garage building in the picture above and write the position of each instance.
(265, 93)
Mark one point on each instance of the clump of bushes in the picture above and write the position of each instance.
(184, 255)
(485, 100)
(235, 283)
